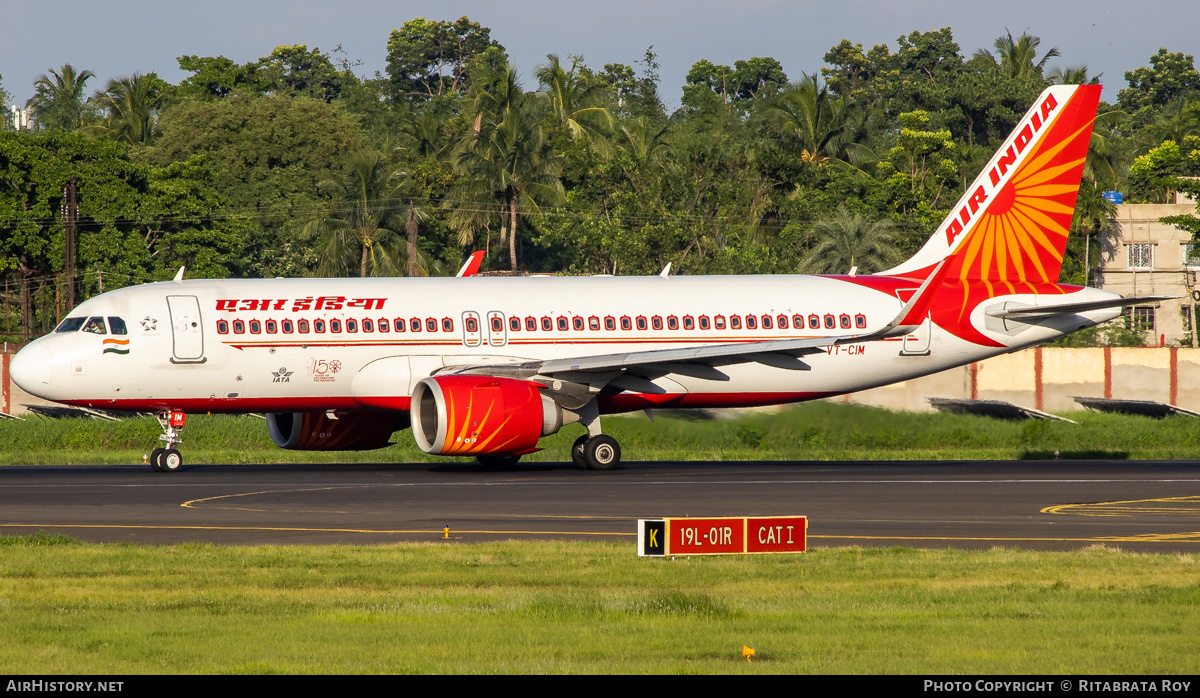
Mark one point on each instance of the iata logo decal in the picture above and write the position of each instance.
(324, 371)
(116, 346)
(282, 375)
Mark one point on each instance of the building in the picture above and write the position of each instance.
(1144, 257)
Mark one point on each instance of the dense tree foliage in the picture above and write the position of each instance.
(294, 164)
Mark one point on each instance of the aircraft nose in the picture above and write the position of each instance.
(30, 369)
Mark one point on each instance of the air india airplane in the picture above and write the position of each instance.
(485, 367)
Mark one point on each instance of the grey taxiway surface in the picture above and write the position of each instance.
(1145, 506)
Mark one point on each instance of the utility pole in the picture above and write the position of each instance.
(70, 214)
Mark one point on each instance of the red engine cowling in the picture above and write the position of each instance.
(481, 415)
(316, 431)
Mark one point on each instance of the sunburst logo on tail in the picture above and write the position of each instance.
(1019, 234)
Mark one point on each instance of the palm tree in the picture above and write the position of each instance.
(507, 161)
(850, 240)
(1093, 214)
(363, 226)
(1016, 57)
(58, 100)
(821, 125)
(1072, 75)
(132, 104)
(644, 139)
(570, 95)
(1102, 166)
(1178, 121)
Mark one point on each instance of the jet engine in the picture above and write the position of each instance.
(481, 415)
(344, 431)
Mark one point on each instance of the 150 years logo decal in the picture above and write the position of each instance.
(324, 370)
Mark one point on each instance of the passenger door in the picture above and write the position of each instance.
(187, 330)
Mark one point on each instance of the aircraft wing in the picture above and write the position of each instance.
(711, 354)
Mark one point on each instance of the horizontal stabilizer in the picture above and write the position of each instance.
(1042, 311)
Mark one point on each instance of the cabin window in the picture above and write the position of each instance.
(335, 325)
(783, 322)
(689, 323)
(719, 322)
(514, 324)
(255, 327)
(766, 322)
(563, 325)
(472, 325)
(116, 325)
(272, 327)
(626, 323)
(447, 325)
(704, 322)
(798, 322)
(547, 324)
(844, 321)
(610, 323)
(672, 323)
(95, 325)
(239, 327)
(497, 325)
(71, 324)
(352, 325)
(641, 322)
(814, 322)
(577, 323)
(222, 326)
(735, 322)
(318, 326)
(398, 324)
(431, 324)
(287, 326)
(593, 323)
(530, 324)
(368, 326)
(302, 326)
(414, 324)
(860, 321)
(751, 322)
(829, 322)
(384, 325)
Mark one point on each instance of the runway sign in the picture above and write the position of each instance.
(722, 536)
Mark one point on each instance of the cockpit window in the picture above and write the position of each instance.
(95, 325)
(117, 325)
(71, 324)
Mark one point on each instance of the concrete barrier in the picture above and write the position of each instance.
(1050, 378)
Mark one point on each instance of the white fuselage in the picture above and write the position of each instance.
(223, 346)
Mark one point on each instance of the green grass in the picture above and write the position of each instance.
(589, 607)
(812, 431)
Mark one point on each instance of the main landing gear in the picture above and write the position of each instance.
(599, 452)
(594, 450)
(169, 460)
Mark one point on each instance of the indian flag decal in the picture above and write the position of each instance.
(116, 346)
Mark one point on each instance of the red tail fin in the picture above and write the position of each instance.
(1011, 224)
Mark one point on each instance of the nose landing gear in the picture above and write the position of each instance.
(169, 460)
